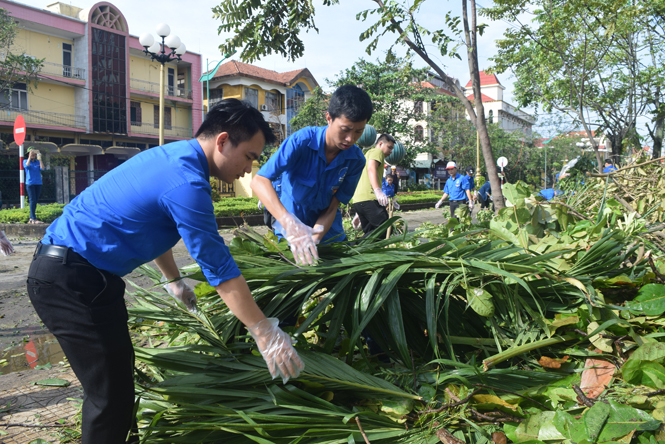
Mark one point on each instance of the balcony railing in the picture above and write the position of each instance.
(57, 69)
(43, 118)
(149, 129)
(152, 87)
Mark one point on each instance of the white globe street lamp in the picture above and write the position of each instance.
(158, 51)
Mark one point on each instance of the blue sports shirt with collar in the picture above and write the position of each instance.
(140, 209)
(472, 183)
(455, 187)
(33, 172)
(308, 183)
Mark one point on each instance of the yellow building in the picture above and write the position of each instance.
(97, 99)
(278, 96)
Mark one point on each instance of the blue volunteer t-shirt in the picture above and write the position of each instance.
(455, 187)
(139, 210)
(472, 183)
(33, 172)
(609, 169)
(388, 190)
(485, 190)
(308, 184)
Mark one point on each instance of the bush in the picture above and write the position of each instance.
(236, 206)
(45, 213)
(419, 198)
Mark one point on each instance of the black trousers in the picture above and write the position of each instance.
(371, 215)
(454, 205)
(84, 308)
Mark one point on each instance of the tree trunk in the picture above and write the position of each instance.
(481, 124)
(658, 133)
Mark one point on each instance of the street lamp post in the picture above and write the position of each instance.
(206, 78)
(157, 51)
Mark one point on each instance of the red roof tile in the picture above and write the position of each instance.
(486, 79)
(437, 88)
(485, 98)
(234, 68)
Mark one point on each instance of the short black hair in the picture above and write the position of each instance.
(351, 102)
(608, 161)
(386, 138)
(390, 176)
(237, 118)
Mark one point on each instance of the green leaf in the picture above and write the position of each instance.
(595, 418)
(480, 301)
(647, 373)
(528, 430)
(650, 301)
(571, 428)
(624, 419)
(55, 382)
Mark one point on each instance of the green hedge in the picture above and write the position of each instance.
(45, 213)
(431, 196)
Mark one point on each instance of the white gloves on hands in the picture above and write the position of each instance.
(276, 347)
(381, 197)
(470, 206)
(438, 204)
(5, 246)
(395, 204)
(260, 206)
(299, 237)
(357, 225)
(182, 292)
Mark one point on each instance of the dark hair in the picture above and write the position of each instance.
(386, 138)
(608, 161)
(237, 118)
(351, 102)
(390, 176)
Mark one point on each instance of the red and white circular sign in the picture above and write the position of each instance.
(19, 130)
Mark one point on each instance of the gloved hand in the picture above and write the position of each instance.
(5, 245)
(381, 197)
(276, 347)
(438, 204)
(260, 205)
(181, 292)
(470, 206)
(299, 237)
(39, 156)
(356, 222)
(395, 204)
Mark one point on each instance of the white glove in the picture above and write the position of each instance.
(438, 204)
(181, 292)
(39, 156)
(276, 347)
(395, 204)
(381, 197)
(5, 245)
(470, 206)
(356, 222)
(299, 237)
(260, 205)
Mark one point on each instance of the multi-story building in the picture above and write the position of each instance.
(278, 95)
(97, 100)
(497, 111)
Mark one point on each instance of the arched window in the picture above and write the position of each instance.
(491, 119)
(109, 17)
(419, 133)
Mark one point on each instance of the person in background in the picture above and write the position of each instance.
(134, 214)
(470, 179)
(369, 199)
(388, 186)
(319, 169)
(33, 181)
(609, 166)
(457, 188)
(485, 195)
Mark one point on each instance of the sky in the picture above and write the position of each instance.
(334, 48)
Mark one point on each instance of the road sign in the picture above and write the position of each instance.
(502, 162)
(19, 130)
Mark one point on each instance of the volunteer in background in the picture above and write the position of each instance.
(457, 188)
(33, 181)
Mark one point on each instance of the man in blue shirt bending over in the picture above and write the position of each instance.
(320, 168)
(457, 187)
(136, 213)
(609, 167)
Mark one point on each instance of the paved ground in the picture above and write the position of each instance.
(26, 408)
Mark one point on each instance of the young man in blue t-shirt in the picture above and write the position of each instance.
(319, 169)
(457, 188)
(609, 166)
(134, 214)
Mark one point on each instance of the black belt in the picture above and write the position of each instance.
(59, 252)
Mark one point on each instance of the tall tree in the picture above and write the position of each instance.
(15, 65)
(580, 58)
(273, 26)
